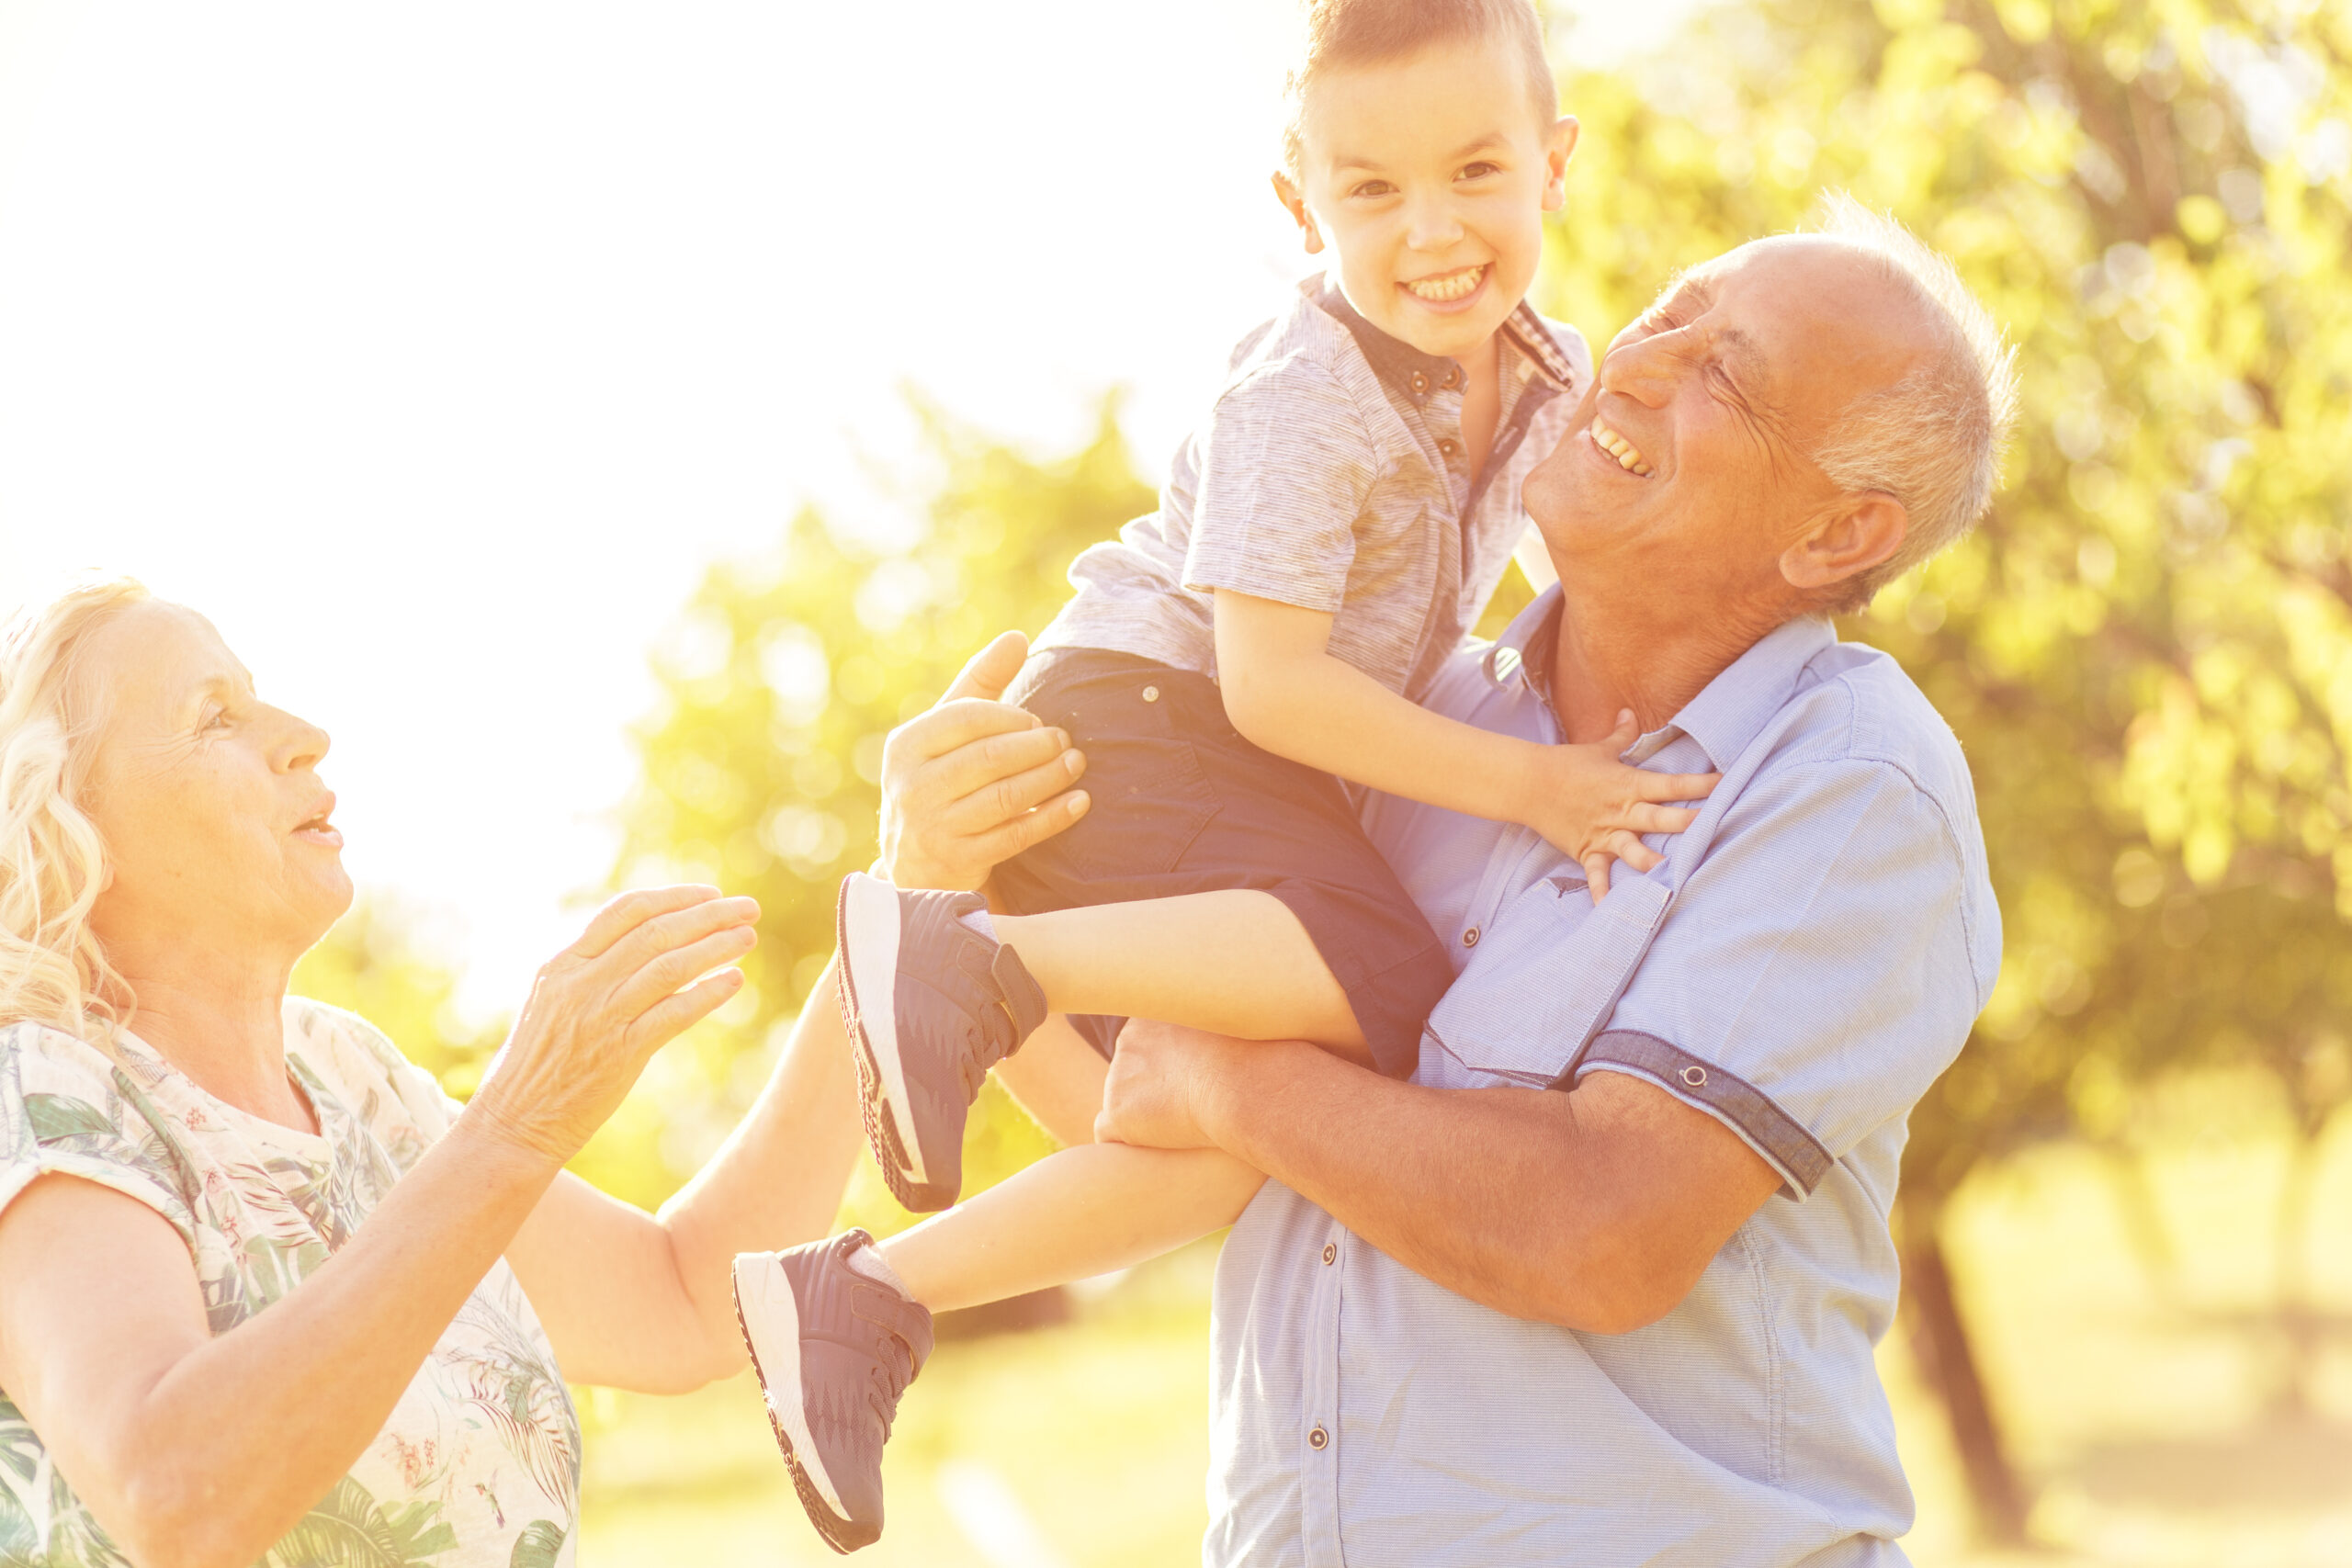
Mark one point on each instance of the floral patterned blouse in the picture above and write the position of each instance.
(479, 1463)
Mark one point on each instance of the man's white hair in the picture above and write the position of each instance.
(52, 863)
(1933, 440)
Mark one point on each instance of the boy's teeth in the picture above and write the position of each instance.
(1629, 457)
(1448, 286)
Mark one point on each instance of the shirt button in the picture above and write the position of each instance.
(1331, 1253)
(1421, 384)
(1318, 1438)
(1453, 376)
(1470, 937)
(1451, 448)
(1151, 694)
(1695, 1076)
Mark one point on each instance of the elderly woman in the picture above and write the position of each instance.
(264, 1291)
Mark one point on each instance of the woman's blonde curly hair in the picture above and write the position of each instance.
(52, 863)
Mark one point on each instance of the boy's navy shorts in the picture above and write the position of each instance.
(1183, 803)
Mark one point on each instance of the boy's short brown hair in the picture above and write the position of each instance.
(1371, 32)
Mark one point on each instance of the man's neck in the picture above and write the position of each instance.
(222, 1024)
(1647, 657)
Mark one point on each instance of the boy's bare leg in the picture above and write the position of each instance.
(1235, 962)
(1082, 1211)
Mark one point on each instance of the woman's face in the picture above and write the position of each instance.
(218, 829)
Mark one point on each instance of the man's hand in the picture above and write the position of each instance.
(974, 780)
(1162, 1084)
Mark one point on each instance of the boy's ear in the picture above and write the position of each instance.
(1286, 191)
(1556, 163)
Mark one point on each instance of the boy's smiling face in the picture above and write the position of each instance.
(1430, 176)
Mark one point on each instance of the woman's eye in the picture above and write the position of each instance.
(217, 718)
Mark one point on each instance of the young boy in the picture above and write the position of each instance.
(1323, 544)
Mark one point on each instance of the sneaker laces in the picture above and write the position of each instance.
(893, 1366)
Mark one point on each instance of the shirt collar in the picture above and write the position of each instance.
(1397, 362)
(1728, 712)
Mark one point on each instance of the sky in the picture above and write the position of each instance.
(434, 351)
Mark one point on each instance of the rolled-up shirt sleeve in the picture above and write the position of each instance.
(1287, 463)
(1815, 974)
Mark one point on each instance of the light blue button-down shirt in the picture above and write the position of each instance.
(1810, 956)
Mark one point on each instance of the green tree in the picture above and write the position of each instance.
(760, 770)
(2147, 649)
(379, 963)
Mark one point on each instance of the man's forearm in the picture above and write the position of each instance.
(1596, 1210)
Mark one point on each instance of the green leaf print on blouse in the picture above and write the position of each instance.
(73, 1124)
(518, 1390)
(536, 1547)
(348, 1530)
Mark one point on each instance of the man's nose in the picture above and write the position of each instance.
(1648, 371)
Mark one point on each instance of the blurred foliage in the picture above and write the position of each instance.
(382, 962)
(759, 772)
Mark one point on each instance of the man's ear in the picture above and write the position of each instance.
(1863, 532)
(1286, 191)
(1556, 163)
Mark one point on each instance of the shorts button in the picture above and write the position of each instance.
(1470, 937)
(1318, 1438)
(1695, 1076)
(1330, 1252)
(1151, 694)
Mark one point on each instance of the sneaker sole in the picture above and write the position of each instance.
(867, 929)
(790, 1423)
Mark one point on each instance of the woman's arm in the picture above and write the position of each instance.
(1287, 692)
(194, 1451)
(646, 1302)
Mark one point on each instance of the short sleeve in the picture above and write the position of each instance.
(1287, 463)
(1814, 977)
(64, 1112)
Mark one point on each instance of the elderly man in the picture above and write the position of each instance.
(1601, 1284)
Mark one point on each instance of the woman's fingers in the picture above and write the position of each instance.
(679, 928)
(644, 987)
(627, 911)
(675, 1013)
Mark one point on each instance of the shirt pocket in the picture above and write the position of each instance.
(1544, 977)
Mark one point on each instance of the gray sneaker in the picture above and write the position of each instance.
(931, 1005)
(834, 1348)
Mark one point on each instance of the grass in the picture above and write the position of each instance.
(2141, 1380)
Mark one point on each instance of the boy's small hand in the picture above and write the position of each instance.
(1595, 808)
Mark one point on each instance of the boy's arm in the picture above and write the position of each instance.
(1287, 692)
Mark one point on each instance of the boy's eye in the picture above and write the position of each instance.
(1372, 188)
(1478, 171)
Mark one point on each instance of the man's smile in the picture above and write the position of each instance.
(1629, 457)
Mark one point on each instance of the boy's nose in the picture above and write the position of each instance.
(1432, 225)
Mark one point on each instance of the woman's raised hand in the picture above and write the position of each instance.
(602, 1007)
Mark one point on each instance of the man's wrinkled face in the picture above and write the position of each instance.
(1686, 466)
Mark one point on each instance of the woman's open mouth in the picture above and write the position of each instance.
(1629, 457)
(318, 827)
